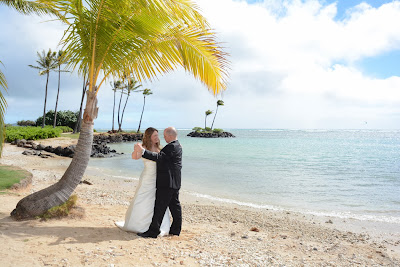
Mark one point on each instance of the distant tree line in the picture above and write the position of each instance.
(64, 118)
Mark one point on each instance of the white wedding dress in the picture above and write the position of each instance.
(140, 212)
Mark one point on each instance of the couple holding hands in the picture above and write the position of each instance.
(157, 194)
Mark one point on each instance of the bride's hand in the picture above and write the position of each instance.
(137, 151)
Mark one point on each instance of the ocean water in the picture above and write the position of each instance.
(343, 173)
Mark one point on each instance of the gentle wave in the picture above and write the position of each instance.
(348, 215)
(232, 201)
(342, 215)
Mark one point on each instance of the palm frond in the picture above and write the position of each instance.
(3, 106)
(32, 7)
(145, 37)
(193, 48)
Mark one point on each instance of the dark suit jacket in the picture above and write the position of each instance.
(169, 165)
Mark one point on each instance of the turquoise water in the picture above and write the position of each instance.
(344, 173)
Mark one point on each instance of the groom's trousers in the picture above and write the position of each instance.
(167, 197)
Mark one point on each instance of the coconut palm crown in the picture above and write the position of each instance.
(144, 38)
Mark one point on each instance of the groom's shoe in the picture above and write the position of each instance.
(147, 234)
(173, 234)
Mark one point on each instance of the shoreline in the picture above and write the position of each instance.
(215, 232)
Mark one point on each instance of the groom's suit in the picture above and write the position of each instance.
(168, 183)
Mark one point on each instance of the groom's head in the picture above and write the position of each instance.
(170, 134)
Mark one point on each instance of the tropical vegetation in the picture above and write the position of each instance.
(26, 123)
(65, 118)
(34, 133)
(116, 85)
(208, 113)
(27, 8)
(130, 85)
(46, 63)
(207, 130)
(143, 38)
(59, 60)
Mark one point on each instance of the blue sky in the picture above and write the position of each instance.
(295, 64)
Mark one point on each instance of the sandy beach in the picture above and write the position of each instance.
(214, 233)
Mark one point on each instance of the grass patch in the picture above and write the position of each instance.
(10, 175)
(60, 211)
(71, 135)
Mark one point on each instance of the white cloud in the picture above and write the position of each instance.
(306, 53)
(293, 66)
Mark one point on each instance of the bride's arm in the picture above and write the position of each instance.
(136, 154)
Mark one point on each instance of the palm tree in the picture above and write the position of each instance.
(3, 106)
(131, 86)
(115, 86)
(208, 112)
(146, 92)
(24, 7)
(219, 103)
(59, 60)
(46, 63)
(143, 38)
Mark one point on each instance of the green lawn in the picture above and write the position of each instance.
(10, 175)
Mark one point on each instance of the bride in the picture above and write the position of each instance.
(140, 212)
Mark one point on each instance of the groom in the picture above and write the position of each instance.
(169, 165)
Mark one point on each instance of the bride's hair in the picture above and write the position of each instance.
(147, 138)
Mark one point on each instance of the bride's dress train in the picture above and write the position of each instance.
(140, 212)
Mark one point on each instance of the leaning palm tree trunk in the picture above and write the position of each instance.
(214, 117)
(141, 116)
(45, 100)
(58, 93)
(54, 195)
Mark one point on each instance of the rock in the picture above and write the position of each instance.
(58, 150)
(21, 143)
(329, 221)
(45, 156)
(68, 151)
(40, 147)
(49, 149)
(210, 135)
(27, 153)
